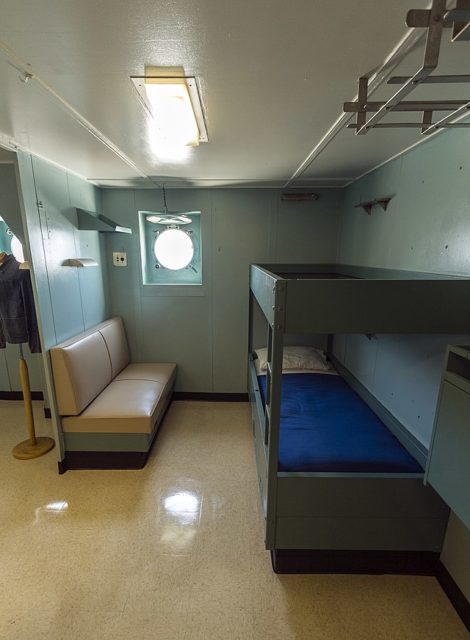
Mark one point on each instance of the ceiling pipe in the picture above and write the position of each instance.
(27, 75)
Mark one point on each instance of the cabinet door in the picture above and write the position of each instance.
(449, 465)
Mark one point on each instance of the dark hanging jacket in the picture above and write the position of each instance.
(18, 322)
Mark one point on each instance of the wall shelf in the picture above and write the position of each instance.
(367, 206)
(89, 221)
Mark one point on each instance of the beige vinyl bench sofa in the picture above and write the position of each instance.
(110, 410)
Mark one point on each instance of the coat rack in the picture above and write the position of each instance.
(435, 20)
(35, 446)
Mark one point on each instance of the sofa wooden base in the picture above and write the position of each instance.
(345, 561)
(103, 460)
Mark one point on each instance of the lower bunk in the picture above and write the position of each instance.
(345, 494)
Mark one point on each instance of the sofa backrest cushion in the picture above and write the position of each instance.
(81, 371)
(114, 335)
(84, 365)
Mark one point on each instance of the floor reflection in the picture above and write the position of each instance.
(182, 502)
(179, 520)
(58, 507)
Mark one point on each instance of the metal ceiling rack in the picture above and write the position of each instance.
(435, 20)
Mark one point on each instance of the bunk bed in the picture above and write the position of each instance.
(326, 510)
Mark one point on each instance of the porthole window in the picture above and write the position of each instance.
(170, 244)
(174, 249)
(9, 243)
(17, 249)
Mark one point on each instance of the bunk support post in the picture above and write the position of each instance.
(250, 323)
(273, 404)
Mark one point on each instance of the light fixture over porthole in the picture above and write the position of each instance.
(169, 218)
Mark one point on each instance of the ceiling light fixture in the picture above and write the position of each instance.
(174, 102)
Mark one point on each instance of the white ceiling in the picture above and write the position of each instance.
(273, 77)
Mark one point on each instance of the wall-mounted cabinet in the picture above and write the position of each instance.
(448, 468)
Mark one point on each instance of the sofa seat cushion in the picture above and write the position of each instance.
(164, 372)
(125, 406)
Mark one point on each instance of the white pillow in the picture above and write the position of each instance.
(299, 358)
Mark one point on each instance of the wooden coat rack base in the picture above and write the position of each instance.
(27, 450)
(35, 446)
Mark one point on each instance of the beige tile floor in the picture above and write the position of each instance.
(174, 551)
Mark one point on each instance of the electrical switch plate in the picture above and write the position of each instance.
(119, 259)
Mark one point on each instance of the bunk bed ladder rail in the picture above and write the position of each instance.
(273, 405)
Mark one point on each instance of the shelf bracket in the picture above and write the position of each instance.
(367, 206)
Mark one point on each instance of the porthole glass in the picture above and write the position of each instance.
(9, 243)
(17, 249)
(174, 249)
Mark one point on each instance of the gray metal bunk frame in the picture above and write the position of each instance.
(338, 512)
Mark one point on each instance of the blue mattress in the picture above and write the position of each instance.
(326, 426)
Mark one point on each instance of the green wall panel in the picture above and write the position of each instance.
(69, 300)
(124, 282)
(456, 553)
(308, 231)
(359, 356)
(204, 329)
(88, 244)
(36, 248)
(5, 384)
(78, 298)
(242, 233)
(35, 368)
(180, 330)
(58, 221)
(425, 228)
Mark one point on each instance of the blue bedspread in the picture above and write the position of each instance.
(326, 426)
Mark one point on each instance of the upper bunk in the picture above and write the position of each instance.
(340, 298)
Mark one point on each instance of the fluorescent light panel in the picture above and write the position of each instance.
(174, 116)
(173, 100)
